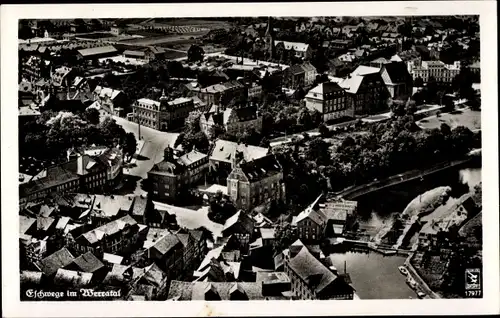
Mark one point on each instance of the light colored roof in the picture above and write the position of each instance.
(267, 233)
(110, 228)
(225, 150)
(231, 221)
(28, 111)
(296, 46)
(148, 101)
(272, 277)
(111, 258)
(97, 50)
(72, 278)
(214, 188)
(365, 70)
(351, 84)
(310, 212)
(25, 223)
(106, 92)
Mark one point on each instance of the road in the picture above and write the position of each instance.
(151, 152)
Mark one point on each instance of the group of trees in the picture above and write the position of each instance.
(192, 137)
(386, 149)
(220, 209)
(52, 134)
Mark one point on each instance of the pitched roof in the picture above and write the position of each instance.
(44, 223)
(111, 258)
(191, 157)
(56, 260)
(311, 213)
(31, 277)
(197, 290)
(261, 168)
(398, 72)
(319, 91)
(225, 150)
(110, 228)
(25, 223)
(311, 270)
(72, 278)
(296, 46)
(166, 243)
(239, 218)
(139, 207)
(88, 263)
(103, 92)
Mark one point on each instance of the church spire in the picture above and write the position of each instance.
(270, 29)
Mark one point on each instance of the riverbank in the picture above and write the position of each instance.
(352, 192)
(421, 285)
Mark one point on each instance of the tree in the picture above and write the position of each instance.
(264, 143)
(192, 123)
(129, 144)
(304, 118)
(92, 115)
(195, 53)
(285, 236)
(324, 131)
(317, 151)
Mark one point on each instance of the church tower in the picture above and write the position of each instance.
(269, 38)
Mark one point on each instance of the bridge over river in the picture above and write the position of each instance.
(357, 191)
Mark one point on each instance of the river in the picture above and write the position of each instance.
(373, 275)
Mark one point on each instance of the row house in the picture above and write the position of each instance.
(256, 182)
(299, 75)
(35, 68)
(195, 248)
(218, 291)
(163, 114)
(330, 100)
(113, 101)
(441, 72)
(311, 279)
(174, 174)
(80, 174)
(327, 219)
(241, 226)
(223, 94)
(115, 237)
(146, 54)
(112, 158)
(301, 50)
(366, 89)
(233, 120)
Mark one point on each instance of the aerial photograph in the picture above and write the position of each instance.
(250, 158)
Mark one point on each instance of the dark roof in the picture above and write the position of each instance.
(398, 72)
(88, 263)
(166, 243)
(57, 260)
(316, 275)
(260, 168)
(57, 174)
(296, 69)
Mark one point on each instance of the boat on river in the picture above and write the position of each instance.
(411, 282)
(403, 270)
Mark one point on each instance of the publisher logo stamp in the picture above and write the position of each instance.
(472, 279)
(473, 282)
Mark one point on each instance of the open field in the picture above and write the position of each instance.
(468, 118)
(166, 40)
(201, 23)
(96, 35)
